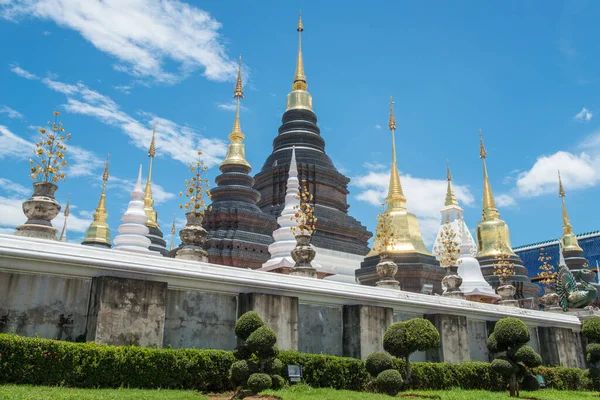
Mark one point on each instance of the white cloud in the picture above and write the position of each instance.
(125, 89)
(583, 115)
(425, 197)
(505, 200)
(230, 106)
(178, 142)
(82, 162)
(22, 73)
(143, 35)
(159, 194)
(577, 171)
(14, 188)
(13, 145)
(375, 166)
(377, 126)
(10, 112)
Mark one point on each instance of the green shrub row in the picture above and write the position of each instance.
(50, 362)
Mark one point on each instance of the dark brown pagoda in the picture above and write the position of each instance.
(239, 233)
(336, 230)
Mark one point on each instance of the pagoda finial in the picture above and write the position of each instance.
(148, 200)
(63, 234)
(300, 78)
(569, 239)
(395, 198)
(490, 212)
(173, 234)
(98, 233)
(236, 154)
(450, 197)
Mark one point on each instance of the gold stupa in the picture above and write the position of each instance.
(98, 233)
(404, 224)
(568, 239)
(299, 98)
(492, 233)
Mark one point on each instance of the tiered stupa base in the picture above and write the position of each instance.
(158, 244)
(524, 288)
(36, 231)
(415, 270)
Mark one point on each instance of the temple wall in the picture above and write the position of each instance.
(77, 293)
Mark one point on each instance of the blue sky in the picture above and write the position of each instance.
(526, 72)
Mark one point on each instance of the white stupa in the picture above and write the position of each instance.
(284, 240)
(133, 230)
(474, 285)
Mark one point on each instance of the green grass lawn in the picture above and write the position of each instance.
(298, 392)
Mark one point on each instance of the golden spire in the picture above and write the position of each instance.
(236, 153)
(148, 201)
(395, 198)
(450, 197)
(568, 239)
(490, 212)
(63, 234)
(98, 232)
(300, 78)
(173, 235)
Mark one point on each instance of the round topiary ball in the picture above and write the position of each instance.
(261, 341)
(492, 344)
(259, 382)
(503, 367)
(404, 338)
(378, 362)
(274, 366)
(389, 382)
(527, 355)
(247, 323)
(593, 352)
(239, 373)
(591, 329)
(242, 352)
(278, 382)
(511, 332)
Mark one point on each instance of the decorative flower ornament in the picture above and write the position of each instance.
(304, 213)
(196, 188)
(50, 151)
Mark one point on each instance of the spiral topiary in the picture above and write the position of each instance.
(389, 382)
(378, 362)
(258, 368)
(511, 335)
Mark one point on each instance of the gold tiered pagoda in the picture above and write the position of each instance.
(98, 233)
(493, 239)
(418, 270)
(572, 252)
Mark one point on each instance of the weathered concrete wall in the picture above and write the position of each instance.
(51, 307)
(364, 327)
(127, 311)
(201, 320)
(320, 329)
(454, 339)
(478, 335)
(533, 341)
(548, 346)
(560, 346)
(278, 312)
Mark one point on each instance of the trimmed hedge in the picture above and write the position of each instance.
(36, 361)
(49, 362)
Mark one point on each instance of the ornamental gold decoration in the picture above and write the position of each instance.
(447, 247)
(304, 214)
(50, 151)
(503, 267)
(196, 188)
(385, 237)
(547, 271)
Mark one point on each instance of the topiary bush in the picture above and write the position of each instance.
(278, 382)
(252, 374)
(389, 382)
(378, 362)
(401, 339)
(259, 382)
(590, 328)
(511, 335)
(247, 323)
